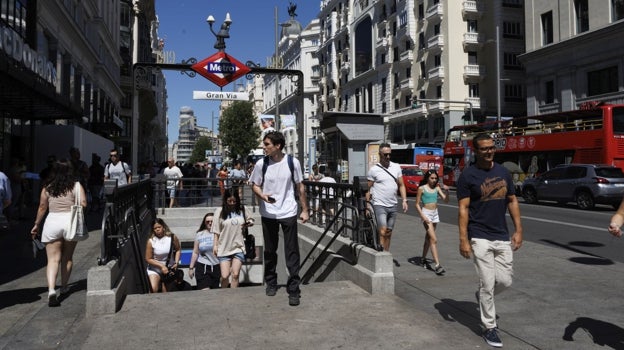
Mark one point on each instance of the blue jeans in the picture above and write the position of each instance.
(270, 230)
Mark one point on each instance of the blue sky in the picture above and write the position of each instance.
(252, 37)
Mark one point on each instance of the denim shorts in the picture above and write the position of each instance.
(239, 256)
(385, 216)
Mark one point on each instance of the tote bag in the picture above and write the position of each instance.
(77, 229)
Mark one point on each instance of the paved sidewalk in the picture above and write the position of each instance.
(556, 293)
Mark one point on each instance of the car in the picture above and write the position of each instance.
(411, 177)
(585, 184)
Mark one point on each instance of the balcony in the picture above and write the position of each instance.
(476, 102)
(472, 10)
(435, 43)
(406, 84)
(345, 66)
(435, 13)
(407, 56)
(315, 76)
(472, 40)
(382, 43)
(436, 74)
(474, 72)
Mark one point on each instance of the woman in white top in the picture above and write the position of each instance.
(204, 264)
(157, 254)
(57, 197)
(231, 218)
(428, 193)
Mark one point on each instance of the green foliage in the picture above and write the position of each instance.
(199, 151)
(239, 129)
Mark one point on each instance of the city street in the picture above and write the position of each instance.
(565, 227)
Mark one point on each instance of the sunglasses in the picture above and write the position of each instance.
(386, 154)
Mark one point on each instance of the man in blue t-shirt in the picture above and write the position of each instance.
(485, 191)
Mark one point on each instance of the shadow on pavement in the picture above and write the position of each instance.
(465, 313)
(21, 296)
(602, 333)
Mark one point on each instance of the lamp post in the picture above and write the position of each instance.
(277, 64)
(498, 78)
(223, 33)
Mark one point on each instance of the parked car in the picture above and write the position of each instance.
(585, 184)
(411, 177)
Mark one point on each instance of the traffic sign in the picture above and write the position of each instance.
(221, 68)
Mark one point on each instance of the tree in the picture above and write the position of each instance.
(239, 129)
(199, 151)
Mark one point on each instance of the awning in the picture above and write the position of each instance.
(354, 126)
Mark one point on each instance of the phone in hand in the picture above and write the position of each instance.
(271, 199)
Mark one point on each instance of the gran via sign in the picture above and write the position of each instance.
(220, 95)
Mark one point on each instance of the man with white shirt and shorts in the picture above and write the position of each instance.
(384, 178)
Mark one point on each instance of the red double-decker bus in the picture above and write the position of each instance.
(531, 145)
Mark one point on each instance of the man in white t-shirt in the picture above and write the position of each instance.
(384, 178)
(117, 170)
(173, 174)
(275, 185)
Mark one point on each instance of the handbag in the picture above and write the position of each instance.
(171, 274)
(77, 229)
(250, 240)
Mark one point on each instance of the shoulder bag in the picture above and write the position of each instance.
(172, 274)
(395, 179)
(77, 229)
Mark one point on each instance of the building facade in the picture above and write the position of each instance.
(574, 54)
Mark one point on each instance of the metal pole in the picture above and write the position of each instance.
(277, 76)
(498, 78)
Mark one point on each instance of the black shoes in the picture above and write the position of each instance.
(293, 299)
(491, 337)
(53, 300)
(271, 290)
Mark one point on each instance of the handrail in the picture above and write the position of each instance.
(344, 225)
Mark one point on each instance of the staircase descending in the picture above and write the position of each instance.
(184, 222)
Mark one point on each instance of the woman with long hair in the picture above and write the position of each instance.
(232, 217)
(428, 193)
(204, 265)
(157, 255)
(57, 198)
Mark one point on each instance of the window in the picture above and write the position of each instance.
(472, 58)
(513, 30)
(473, 90)
(383, 86)
(471, 26)
(547, 28)
(439, 91)
(549, 92)
(436, 29)
(396, 104)
(437, 60)
(408, 101)
(397, 83)
(513, 93)
(510, 61)
(421, 11)
(421, 41)
(410, 131)
(408, 72)
(383, 58)
(422, 129)
(438, 127)
(602, 81)
(397, 132)
(403, 18)
(582, 16)
(383, 107)
(423, 71)
(617, 10)
(395, 52)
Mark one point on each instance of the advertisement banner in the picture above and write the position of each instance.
(288, 121)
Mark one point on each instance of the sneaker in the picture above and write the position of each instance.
(53, 300)
(271, 290)
(293, 299)
(425, 264)
(439, 270)
(491, 337)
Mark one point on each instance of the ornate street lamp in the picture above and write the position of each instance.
(223, 33)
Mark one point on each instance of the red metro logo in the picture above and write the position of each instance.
(220, 68)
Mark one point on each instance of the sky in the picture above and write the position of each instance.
(184, 28)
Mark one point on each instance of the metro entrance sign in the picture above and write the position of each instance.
(220, 68)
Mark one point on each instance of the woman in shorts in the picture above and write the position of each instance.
(428, 193)
(229, 245)
(204, 264)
